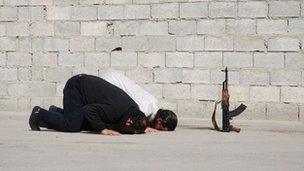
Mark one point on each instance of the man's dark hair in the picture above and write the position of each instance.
(139, 125)
(169, 119)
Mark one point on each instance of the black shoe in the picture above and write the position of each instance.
(33, 121)
(56, 109)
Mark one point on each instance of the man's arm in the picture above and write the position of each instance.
(94, 113)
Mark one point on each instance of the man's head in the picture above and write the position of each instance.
(133, 123)
(164, 120)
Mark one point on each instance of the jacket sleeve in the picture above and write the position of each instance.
(95, 114)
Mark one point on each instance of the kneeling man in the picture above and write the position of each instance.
(93, 104)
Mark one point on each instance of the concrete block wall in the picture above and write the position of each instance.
(175, 49)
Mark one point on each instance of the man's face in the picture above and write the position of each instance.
(159, 125)
(127, 128)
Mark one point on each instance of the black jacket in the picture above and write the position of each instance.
(106, 104)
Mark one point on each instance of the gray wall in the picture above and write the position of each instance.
(173, 48)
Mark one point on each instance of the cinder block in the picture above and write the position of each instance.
(194, 10)
(8, 14)
(151, 59)
(182, 27)
(217, 77)
(139, 43)
(8, 104)
(123, 59)
(45, 59)
(266, 26)
(84, 13)
(205, 92)
(70, 59)
(249, 43)
(58, 74)
(294, 60)
(37, 44)
(140, 75)
(168, 10)
(190, 43)
(31, 89)
(8, 43)
(126, 28)
(82, 44)
(93, 28)
(65, 28)
(110, 12)
(223, 9)
(155, 90)
(8, 74)
(23, 14)
(65, 3)
(38, 73)
(254, 110)
(48, 101)
(239, 93)
(208, 59)
(97, 60)
(237, 59)
(137, 12)
(2, 29)
(39, 2)
(42, 29)
(292, 94)
(179, 59)
(282, 111)
(253, 9)
(18, 29)
(24, 44)
(284, 8)
(211, 26)
(119, 1)
(3, 88)
(36, 13)
(85, 70)
(168, 75)
(15, 2)
(3, 59)
(59, 89)
(283, 44)
(264, 94)
(58, 12)
(241, 26)
(296, 26)
(196, 76)
(108, 43)
(285, 77)
(19, 59)
(219, 43)
(153, 28)
(162, 43)
(91, 2)
(190, 109)
(269, 60)
(55, 44)
(254, 77)
(24, 74)
(176, 91)
(168, 104)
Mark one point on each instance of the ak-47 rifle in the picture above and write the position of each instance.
(226, 114)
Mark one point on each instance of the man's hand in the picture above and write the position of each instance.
(109, 132)
(149, 129)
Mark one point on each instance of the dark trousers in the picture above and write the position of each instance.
(72, 119)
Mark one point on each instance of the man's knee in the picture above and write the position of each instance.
(74, 127)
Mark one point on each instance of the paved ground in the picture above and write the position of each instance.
(262, 145)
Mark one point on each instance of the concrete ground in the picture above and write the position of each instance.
(261, 145)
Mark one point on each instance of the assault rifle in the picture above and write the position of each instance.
(226, 114)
